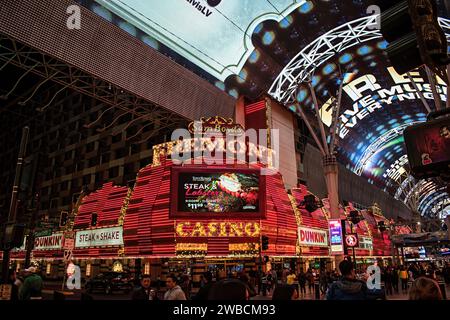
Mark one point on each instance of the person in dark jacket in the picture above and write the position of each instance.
(245, 279)
(144, 292)
(302, 283)
(14, 282)
(31, 288)
(348, 287)
(203, 293)
(285, 292)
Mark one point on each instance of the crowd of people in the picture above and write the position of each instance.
(27, 285)
(418, 280)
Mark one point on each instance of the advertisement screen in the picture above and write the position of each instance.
(217, 193)
(336, 240)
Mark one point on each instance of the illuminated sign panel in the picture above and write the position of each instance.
(336, 241)
(212, 193)
(215, 35)
(52, 242)
(365, 243)
(217, 229)
(99, 237)
(312, 237)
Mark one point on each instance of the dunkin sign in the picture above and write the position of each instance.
(312, 237)
(52, 242)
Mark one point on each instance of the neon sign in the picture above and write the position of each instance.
(217, 229)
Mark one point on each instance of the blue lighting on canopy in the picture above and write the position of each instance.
(382, 45)
(234, 93)
(364, 50)
(392, 121)
(329, 68)
(102, 12)
(242, 76)
(151, 42)
(258, 28)
(302, 95)
(268, 37)
(220, 85)
(127, 27)
(307, 7)
(254, 57)
(346, 58)
(286, 22)
(315, 80)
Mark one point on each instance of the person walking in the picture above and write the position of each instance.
(302, 283)
(186, 286)
(395, 279)
(310, 279)
(388, 281)
(403, 275)
(31, 288)
(348, 287)
(245, 279)
(144, 292)
(323, 282)
(15, 283)
(174, 291)
(203, 293)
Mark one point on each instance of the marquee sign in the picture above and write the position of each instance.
(103, 237)
(217, 229)
(312, 237)
(52, 242)
(216, 125)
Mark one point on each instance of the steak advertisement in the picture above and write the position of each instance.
(218, 192)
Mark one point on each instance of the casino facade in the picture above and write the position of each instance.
(200, 213)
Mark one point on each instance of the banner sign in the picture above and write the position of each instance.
(53, 242)
(312, 237)
(336, 241)
(99, 237)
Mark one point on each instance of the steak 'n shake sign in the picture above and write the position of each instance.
(52, 242)
(99, 237)
(312, 237)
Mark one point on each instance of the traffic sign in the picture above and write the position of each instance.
(351, 240)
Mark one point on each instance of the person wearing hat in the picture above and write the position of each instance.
(31, 288)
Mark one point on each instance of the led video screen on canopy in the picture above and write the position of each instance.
(214, 34)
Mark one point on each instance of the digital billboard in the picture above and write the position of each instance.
(336, 237)
(213, 193)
